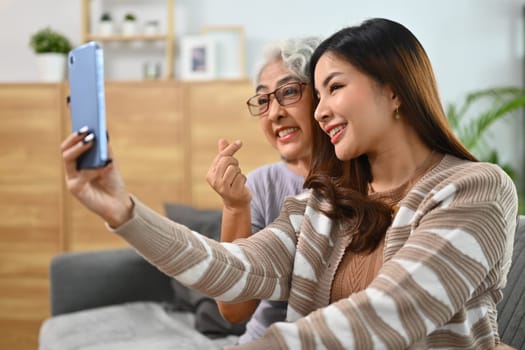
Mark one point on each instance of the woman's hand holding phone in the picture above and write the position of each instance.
(101, 190)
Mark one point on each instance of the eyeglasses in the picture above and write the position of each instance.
(285, 95)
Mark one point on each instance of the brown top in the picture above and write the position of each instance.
(357, 270)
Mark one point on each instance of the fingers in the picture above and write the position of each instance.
(233, 175)
(222, 160)
(221, 145)
(71, 140)
(72, 147)
(220, 173)
(224, 172)
(228, 149)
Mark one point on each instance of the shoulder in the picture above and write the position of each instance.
(467, 175)
(278, 169)
(276, 178)
(463, 181)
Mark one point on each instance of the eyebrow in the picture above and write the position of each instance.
(330, 77)
(326, 80)
(280, 82)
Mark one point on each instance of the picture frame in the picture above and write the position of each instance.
(197, 58)
(230, 50)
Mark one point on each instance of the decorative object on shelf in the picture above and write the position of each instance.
(197, 58)
(51, 48)
(151, 27)
(151, 70)
(106, 25)
(130, 37)
(230, 50)
(129, 26)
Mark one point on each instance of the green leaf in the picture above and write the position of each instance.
(492, 104)
(48, 40)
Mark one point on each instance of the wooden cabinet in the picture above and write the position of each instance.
(30, 206)
(163, 134)
(167, 37)
(147, 134)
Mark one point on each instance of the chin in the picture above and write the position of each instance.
(344, 155)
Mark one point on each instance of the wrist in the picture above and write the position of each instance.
(122, 214)
(236, 209)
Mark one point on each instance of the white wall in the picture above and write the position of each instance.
(473, 44)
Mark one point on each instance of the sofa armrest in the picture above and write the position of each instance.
(84, 280)
(511, 310)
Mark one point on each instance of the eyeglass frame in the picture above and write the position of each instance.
(301, 85)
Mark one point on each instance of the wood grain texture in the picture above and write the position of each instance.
(218, 110)
(30, 195)
(164, 136)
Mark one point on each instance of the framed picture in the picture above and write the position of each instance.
(230, 50)
(197, 58)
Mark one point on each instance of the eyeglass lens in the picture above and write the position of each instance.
(285, 95)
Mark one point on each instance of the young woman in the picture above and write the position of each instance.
(403, 240)
(284, 106)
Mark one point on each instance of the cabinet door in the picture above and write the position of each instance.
(30, 206)
(217, 110)
(148, 138)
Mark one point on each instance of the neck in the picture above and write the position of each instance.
(299, 167)
(395, 166)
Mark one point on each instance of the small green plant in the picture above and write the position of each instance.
(493, 104)
(106, 17)
(48, 40)
(129, 17)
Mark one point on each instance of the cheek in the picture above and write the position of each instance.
(266, 127)
(305, 121)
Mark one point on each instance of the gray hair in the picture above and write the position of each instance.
(294, 53)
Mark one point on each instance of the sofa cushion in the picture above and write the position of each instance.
(85, 280)
(511, 310)
(129, 326)
(208, 319)
(204, 221)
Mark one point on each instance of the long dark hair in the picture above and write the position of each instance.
(391, 55)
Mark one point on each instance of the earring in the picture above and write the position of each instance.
(396, 115)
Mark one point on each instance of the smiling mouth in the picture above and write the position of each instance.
(335, 130)
(286, 132)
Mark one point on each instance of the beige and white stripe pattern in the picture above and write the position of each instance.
(445, 261)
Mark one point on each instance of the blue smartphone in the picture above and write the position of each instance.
(87, 100)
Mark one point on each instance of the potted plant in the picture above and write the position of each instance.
(51, 48)
(129, 26)
(491, 105)
(105, 25)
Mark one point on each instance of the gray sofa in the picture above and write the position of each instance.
(114, 299)
(131, 295)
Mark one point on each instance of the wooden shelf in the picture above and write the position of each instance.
(168, 37)
(121, 37)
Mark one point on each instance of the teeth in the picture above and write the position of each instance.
(284, 132)
(336, 130)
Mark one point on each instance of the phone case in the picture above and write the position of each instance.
(87, 100)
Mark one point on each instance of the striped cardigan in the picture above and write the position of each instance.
(446, 257)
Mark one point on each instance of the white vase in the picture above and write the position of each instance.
(106, 28)
(129, 28)
(151, 28)
(51, 66)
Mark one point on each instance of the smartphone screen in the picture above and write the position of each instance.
(87, 100)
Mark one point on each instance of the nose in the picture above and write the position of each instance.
(275, 110)
(321, 112)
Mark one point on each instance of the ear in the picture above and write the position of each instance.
(395, 100)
